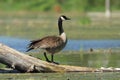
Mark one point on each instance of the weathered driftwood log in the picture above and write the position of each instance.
(26, 63)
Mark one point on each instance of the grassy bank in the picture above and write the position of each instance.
(35, 25)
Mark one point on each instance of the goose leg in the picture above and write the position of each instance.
(46, 57)
(52, 59)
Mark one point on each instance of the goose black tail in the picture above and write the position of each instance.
(29, 49)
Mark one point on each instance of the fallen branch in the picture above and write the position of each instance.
(26, 63)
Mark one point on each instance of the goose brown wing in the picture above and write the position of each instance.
(46, 42)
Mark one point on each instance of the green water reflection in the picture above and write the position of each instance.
(86, 59)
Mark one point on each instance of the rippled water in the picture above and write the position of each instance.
(21, 44)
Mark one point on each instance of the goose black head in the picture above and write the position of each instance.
(62, 17)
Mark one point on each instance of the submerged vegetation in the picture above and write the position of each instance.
(96, 59)
(61, 76)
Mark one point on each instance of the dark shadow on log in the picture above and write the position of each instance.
(8, 70)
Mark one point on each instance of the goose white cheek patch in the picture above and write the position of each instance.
(62, 18)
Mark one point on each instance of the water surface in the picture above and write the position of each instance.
(73, 45)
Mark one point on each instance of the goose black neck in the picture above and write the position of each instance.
(60, 26)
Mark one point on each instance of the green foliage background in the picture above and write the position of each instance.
(65, 5)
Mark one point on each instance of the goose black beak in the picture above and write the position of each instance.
(68, 19)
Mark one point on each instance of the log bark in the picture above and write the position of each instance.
(25, 63)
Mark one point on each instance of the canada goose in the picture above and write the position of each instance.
(52, 44)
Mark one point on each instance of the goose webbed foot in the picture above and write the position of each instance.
(55, 63)
(52, 62)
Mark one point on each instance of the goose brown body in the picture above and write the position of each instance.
(52, 44)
